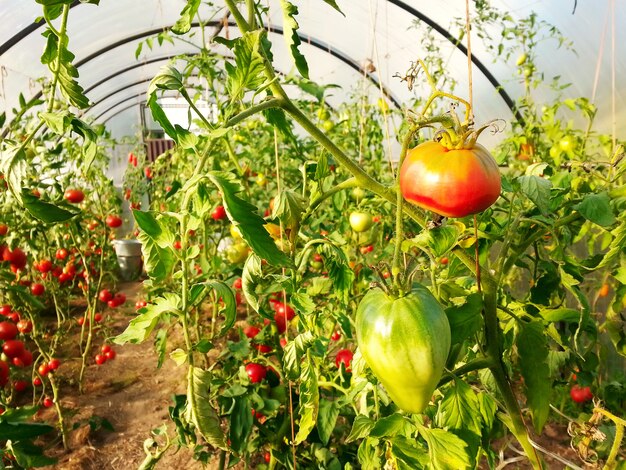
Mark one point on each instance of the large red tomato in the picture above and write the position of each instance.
(450, 182)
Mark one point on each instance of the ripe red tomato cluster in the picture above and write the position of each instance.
(283, 313)
(344, 356)
(112, 300)
(107, 353)
(113, 221)
(132, 159)
(74, 196)
(256, 372)
(219, 213)
(580, 394)
(16, 258)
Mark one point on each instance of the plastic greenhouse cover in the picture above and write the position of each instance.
(383, 33)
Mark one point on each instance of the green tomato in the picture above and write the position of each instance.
(360, 221)
(521, 60)
(358, 194)
(405, 342)
(323, 114)
(567, 143)
(328, 125)
(555, 151)
(237, 252)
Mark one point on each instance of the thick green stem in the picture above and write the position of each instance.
(57, 403)
(494, 352)
(476, 364)
(57, 62)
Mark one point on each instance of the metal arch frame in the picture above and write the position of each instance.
(398, 3)
(479, 65)
(271, 29)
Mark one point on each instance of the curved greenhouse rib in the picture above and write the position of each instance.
(446, 34)
(31, 28)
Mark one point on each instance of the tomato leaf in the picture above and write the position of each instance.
(46, 212)
(302, 302)
(290, 27)
(294, 351)
(408, 454)
(309, 399)
(142, 325)
(159, 116)
(437, 241)
(247, 73)
(28, 455)
(225, 294)
(536, 189)
(446, 450)
(465, 319)
(596, 208)
(13, 166)
(244, 216)
(183, 24)
(533, 355)
(19, 430)
(392, 425)
(200, 411)
(250, 278)
(160, 345)
(617, 244)
(459, 409)
(361, 428)
(339, 271)
(240, 423)
(333, 4)
(327, 419)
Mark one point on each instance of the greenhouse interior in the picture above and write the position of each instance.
(313, 234)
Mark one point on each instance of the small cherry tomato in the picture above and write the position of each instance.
(74, 196)
(344, 356)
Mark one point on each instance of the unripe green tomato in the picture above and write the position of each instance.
(237, 252)
(521, 60)
(316, 265)
(555, 151)
(567, 143)
(323, 114)
(358, 194)
(360, 221)
(405, 342)
(328, 125)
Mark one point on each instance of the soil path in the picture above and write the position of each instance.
(131, 394)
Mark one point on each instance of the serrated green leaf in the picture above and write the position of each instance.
(533, 355)
(247, 73)
(446, 450)
(179, 356)
(250, 278)
(160, 346)
(159, 116)
(392, 425)
(437, 241)
(408, 454)
(617, 244)
(28, 455)
(327, 419)
(142, 325)
(361, 428)
(240, 423)
(200, 411)
(465, 319)
(290, 27)
(223, 293)
(288, 208)
(186, 139)
(339, 271)
(183, 24)
(45, 211)
(309, 399)
(57, 122)
(537, 189)
(245, 217)
(294, 351)
(302, 302)
(459, 409)
(597, 208)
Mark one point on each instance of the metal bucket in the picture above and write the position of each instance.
(128, 259)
